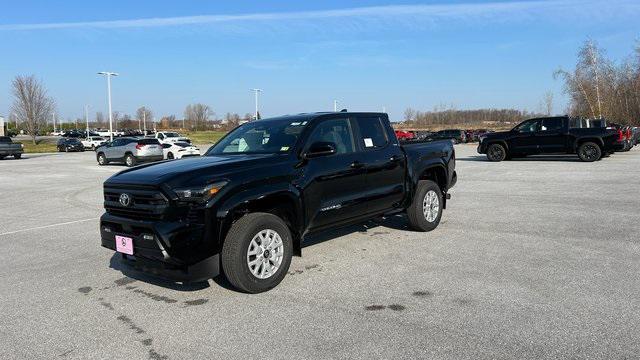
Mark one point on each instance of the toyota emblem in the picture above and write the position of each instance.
(125, 199)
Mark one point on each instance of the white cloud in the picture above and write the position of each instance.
(492, 11)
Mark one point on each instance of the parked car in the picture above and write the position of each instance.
(179, 150)
(9, 148)
(168, 137)
(71, 133)
(552, 135)
(404, 135)
(458, 136)
(93, 142)
(68, 144)
(130, 151)
(247, 204)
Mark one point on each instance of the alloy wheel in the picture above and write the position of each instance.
(265, 254)
(430, 206)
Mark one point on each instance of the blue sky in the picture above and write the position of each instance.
(366, 54)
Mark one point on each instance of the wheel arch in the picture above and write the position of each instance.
(285, 204)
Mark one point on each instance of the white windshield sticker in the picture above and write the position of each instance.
(368, 142)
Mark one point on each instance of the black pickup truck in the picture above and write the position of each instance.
(552, 135)
(247, 204)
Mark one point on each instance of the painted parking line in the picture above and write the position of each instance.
(48, 226)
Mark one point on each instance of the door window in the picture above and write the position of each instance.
(528, 126)
(336, 131)
(551, 125)
(372, 133)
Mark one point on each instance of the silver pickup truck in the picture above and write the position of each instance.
(9, 148)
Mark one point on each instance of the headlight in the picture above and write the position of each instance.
(200, 194)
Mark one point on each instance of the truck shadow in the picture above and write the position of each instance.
(566, 158)
(116, 263)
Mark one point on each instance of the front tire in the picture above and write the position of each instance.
(102, 160)
(425, 210)
(129, 160)
(589, 152)
(496, 153)
(17, 156)
(170, 156)
(256, 253)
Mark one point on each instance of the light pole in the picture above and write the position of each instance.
(109, 75)
(335, 105)
(256, 92)
(54, 121)
(86, 118)
(144, 119)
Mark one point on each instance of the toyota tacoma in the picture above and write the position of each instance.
(244, 208)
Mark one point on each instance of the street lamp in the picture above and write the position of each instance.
(109, 75)
(256, 92)
(86, 118)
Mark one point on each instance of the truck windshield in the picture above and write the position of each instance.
(171, 134)
(260, 137)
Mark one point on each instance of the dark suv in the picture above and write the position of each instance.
(67, 144)
(458, 136)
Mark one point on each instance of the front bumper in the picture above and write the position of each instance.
(165, 249)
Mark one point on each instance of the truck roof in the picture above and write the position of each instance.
(310, 116)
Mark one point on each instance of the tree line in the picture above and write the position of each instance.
(599, 87)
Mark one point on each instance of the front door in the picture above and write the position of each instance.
(333, 185)
(524, 140)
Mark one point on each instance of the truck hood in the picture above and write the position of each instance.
(497, 135)
(190, 171)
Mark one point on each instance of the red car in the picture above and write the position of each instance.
(404, 135)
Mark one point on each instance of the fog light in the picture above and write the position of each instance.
(106, 229)
(147, 237)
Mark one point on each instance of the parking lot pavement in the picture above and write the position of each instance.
(535, 258)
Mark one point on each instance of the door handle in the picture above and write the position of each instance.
(395, 158)
(356, 165)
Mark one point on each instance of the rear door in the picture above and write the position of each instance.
(384, 163)
(334, 185)
(551, 136)
(523, 140)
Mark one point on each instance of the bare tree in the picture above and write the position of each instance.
(547, 101)
(99, 119)
(143, 114)
(32, 106)
(409, 114)
(197, 114)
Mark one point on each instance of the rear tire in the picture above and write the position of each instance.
(170, 156)
(589, 152)
(425, 210)
(129, 160)
(243, 247)
(496, 153)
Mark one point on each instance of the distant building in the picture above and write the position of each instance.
(3, 127)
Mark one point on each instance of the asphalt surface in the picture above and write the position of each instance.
(535, 258)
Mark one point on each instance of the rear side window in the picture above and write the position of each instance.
(551, 125)
(148, 142)
(5, 139)
(372, 133)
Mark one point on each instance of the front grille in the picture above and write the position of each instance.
(144, 203)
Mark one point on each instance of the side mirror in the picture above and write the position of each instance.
(319, 149)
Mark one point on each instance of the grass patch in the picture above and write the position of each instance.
(41, 146)
(204, 137)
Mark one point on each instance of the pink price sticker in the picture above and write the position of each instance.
(124, 245)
